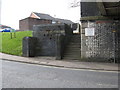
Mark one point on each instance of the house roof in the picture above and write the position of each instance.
(63, 21)
(43, 16)
(47, 16)
(4, 26)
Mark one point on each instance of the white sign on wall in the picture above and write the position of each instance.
(89, 31)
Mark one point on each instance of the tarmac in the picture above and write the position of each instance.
(50, 61)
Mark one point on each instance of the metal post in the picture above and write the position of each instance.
(11, 35)
(14, 34)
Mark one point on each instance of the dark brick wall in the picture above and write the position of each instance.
(27, 24)
(46, 35)
(105, 45)
(33, 21)
(89, 9)
(50, 39)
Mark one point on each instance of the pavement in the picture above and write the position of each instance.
(50, 61)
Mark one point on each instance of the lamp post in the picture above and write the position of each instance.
(114, 31)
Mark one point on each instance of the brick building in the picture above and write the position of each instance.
(27, 23)
(40, 18)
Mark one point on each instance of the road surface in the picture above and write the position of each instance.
(22, 75)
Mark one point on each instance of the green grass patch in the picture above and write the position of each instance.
(13, 46)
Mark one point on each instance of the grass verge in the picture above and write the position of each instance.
(13, 46)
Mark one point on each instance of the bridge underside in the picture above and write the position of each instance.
(100, 34)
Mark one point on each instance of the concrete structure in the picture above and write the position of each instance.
(98, 39)
(50, 40)
(28, 46)
(100, 34)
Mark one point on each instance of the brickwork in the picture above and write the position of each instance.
(24, 24)
(37, 22)
(48, 38)
(27, 24)
(105, 44)
(89, 9)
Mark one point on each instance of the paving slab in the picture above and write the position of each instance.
(50, 61)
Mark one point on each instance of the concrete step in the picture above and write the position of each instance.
(74, 56)
(70, 58)
(74, 42)
(75, 38)
(73, 49)
(73, 46)
(70, 44)
(71, 54)
(69, 51)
